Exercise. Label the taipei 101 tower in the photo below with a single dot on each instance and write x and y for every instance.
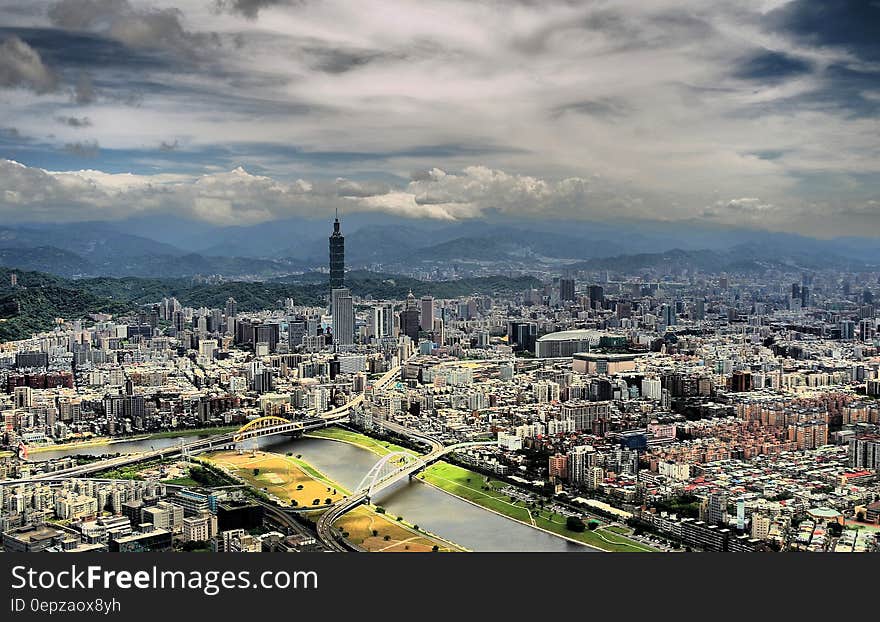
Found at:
(337, 256)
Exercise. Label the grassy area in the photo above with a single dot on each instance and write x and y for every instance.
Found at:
(473, 487)
(380, 533)
(376, 446)
(182, 481)
(285, 477)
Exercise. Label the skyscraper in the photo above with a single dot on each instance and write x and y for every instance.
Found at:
(427, 313)
(566, 290)
(409, 319)
(337, 257)
(343, 317)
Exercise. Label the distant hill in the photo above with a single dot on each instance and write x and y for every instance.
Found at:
(39, 298)
(46, 259)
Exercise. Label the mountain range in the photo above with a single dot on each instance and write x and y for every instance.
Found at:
(182, 249)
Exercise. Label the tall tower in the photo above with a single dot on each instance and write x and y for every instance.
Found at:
(337, 257)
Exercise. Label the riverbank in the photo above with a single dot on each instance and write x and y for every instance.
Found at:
(468, 486)
(101, 441)
(472, 487)
(380, 448)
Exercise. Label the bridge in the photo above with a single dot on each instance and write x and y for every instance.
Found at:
(389, 470)
(264, 426)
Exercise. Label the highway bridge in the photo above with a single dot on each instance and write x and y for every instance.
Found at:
(264, 426)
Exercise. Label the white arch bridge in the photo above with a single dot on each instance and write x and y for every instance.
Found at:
(388, 470)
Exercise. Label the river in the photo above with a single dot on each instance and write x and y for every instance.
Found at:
(433, 510)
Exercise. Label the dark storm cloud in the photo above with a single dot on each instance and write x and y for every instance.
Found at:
(22, 66)
(168, 146)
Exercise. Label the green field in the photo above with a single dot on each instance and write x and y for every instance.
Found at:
(378, 447)
(473, 487)
(182, 481)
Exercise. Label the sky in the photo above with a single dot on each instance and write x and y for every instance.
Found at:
(753, 113)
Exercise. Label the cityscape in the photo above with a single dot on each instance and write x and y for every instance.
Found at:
(266, 285)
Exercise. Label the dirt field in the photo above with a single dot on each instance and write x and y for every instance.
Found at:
(361, 522)
(280, 476)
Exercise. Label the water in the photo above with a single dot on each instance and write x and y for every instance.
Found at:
(433, 510)
(125, 447)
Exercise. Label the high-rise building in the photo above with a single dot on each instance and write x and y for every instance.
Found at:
(597, 296)
(296, 331)
(409, 319)
(337, 257)
(714, 508)
(343, 316)
(426, 316)
(231, 308)
(667, 313)
(566, 290)
(580, 460)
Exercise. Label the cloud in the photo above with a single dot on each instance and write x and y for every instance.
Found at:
(628, 109)
(21, 66)
(168, 146)
(136, 27)
(82, 149)
(249, 8)
(74, 121)
(239, 197)
(746, 207)
(84, 89)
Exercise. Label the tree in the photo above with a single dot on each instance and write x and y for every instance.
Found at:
(299, 487)
(328, 501)
(375, 532)
(592, 525)
(574, 523)
(435, 548)
(386, 537)
(256, 472)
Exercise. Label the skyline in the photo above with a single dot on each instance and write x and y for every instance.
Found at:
(760, 114)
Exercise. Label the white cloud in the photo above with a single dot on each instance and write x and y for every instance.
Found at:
(609, 109)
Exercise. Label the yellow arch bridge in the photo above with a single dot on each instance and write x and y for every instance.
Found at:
(266, 426)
